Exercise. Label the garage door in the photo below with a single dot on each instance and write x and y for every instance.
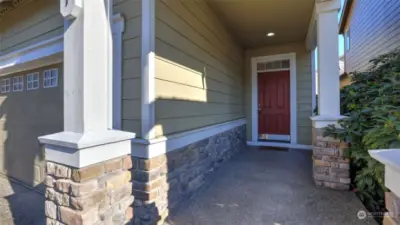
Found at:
(31, 105)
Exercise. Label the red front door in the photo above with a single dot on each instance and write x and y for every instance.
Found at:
(274, 103)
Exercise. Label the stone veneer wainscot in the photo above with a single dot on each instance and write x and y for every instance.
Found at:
(160, 183)
(94, 195)
(330, 168)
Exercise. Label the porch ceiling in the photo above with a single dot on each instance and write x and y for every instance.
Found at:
(251, 20)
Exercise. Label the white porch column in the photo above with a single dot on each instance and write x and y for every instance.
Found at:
(328, 58)
(330, 168)
(79, 160)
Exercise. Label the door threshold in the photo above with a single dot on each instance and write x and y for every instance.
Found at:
(279, 144)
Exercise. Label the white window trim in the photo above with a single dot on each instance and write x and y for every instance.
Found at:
(56, 78)
(33, 81)
(293, 93)
(21, 78)
(8, 86)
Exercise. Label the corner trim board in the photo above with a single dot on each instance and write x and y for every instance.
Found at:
(293, 93)
(148, 70)
(151, 148)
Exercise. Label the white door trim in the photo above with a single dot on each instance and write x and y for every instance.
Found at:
(293, 95)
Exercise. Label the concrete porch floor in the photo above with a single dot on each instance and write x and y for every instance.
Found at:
(268, 187)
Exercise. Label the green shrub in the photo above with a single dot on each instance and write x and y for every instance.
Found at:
(372, 106)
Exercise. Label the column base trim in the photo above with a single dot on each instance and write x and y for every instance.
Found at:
(151, 148)
(81, 150)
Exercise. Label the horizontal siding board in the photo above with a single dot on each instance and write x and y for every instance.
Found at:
(133, 28)
(129, 8)
(29, 24)
(186, 76)
(374, 30)
(132, 126)
(176, 39)
(176, 15)
(166, 108)
(199, 82)
(130, 109)
(131, 67)
(206, 16)
(181, 58)
(176, 125)
(132, 48)
(170, 90)
(131, 88)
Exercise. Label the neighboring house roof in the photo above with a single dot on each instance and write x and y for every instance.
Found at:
(345, 15)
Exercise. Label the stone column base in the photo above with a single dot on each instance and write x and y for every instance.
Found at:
(330, 168)
(94, 195)
(161, 182)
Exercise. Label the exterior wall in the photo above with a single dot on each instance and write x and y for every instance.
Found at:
(25, 116)
(374, 30)
(30, 23)
(304, 86)
(199, 69)
(131, 10)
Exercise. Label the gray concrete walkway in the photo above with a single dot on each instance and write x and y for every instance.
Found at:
(268, 187)
(20, 205)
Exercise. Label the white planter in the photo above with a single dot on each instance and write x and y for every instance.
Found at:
(391, 159)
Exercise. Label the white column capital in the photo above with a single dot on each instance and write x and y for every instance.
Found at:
(327, 6)
(324, 121)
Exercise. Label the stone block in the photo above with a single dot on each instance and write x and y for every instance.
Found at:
(58, 170)
(148, 186)
(113, 165)
(63, 185)
(325, 151)
(87, 173)
(153, 163)
(81, 189)
(322, 170)
(392, 203)
(117, 195)
(50, 209)
(69, 216)
(49, 181)
(115, 180)
(129, 213)
(127, 163)
(318, 162)
(89, 201)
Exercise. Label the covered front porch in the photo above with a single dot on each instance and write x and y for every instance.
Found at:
(266, 186)
(280, 39)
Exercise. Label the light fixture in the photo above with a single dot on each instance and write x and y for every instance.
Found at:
(270, 34)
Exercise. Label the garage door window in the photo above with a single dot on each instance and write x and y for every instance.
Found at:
(18, 83)
(5, 85)
(50, 78)
(32, 81)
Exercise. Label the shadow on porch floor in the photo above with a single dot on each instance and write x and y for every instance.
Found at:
(268, 187)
